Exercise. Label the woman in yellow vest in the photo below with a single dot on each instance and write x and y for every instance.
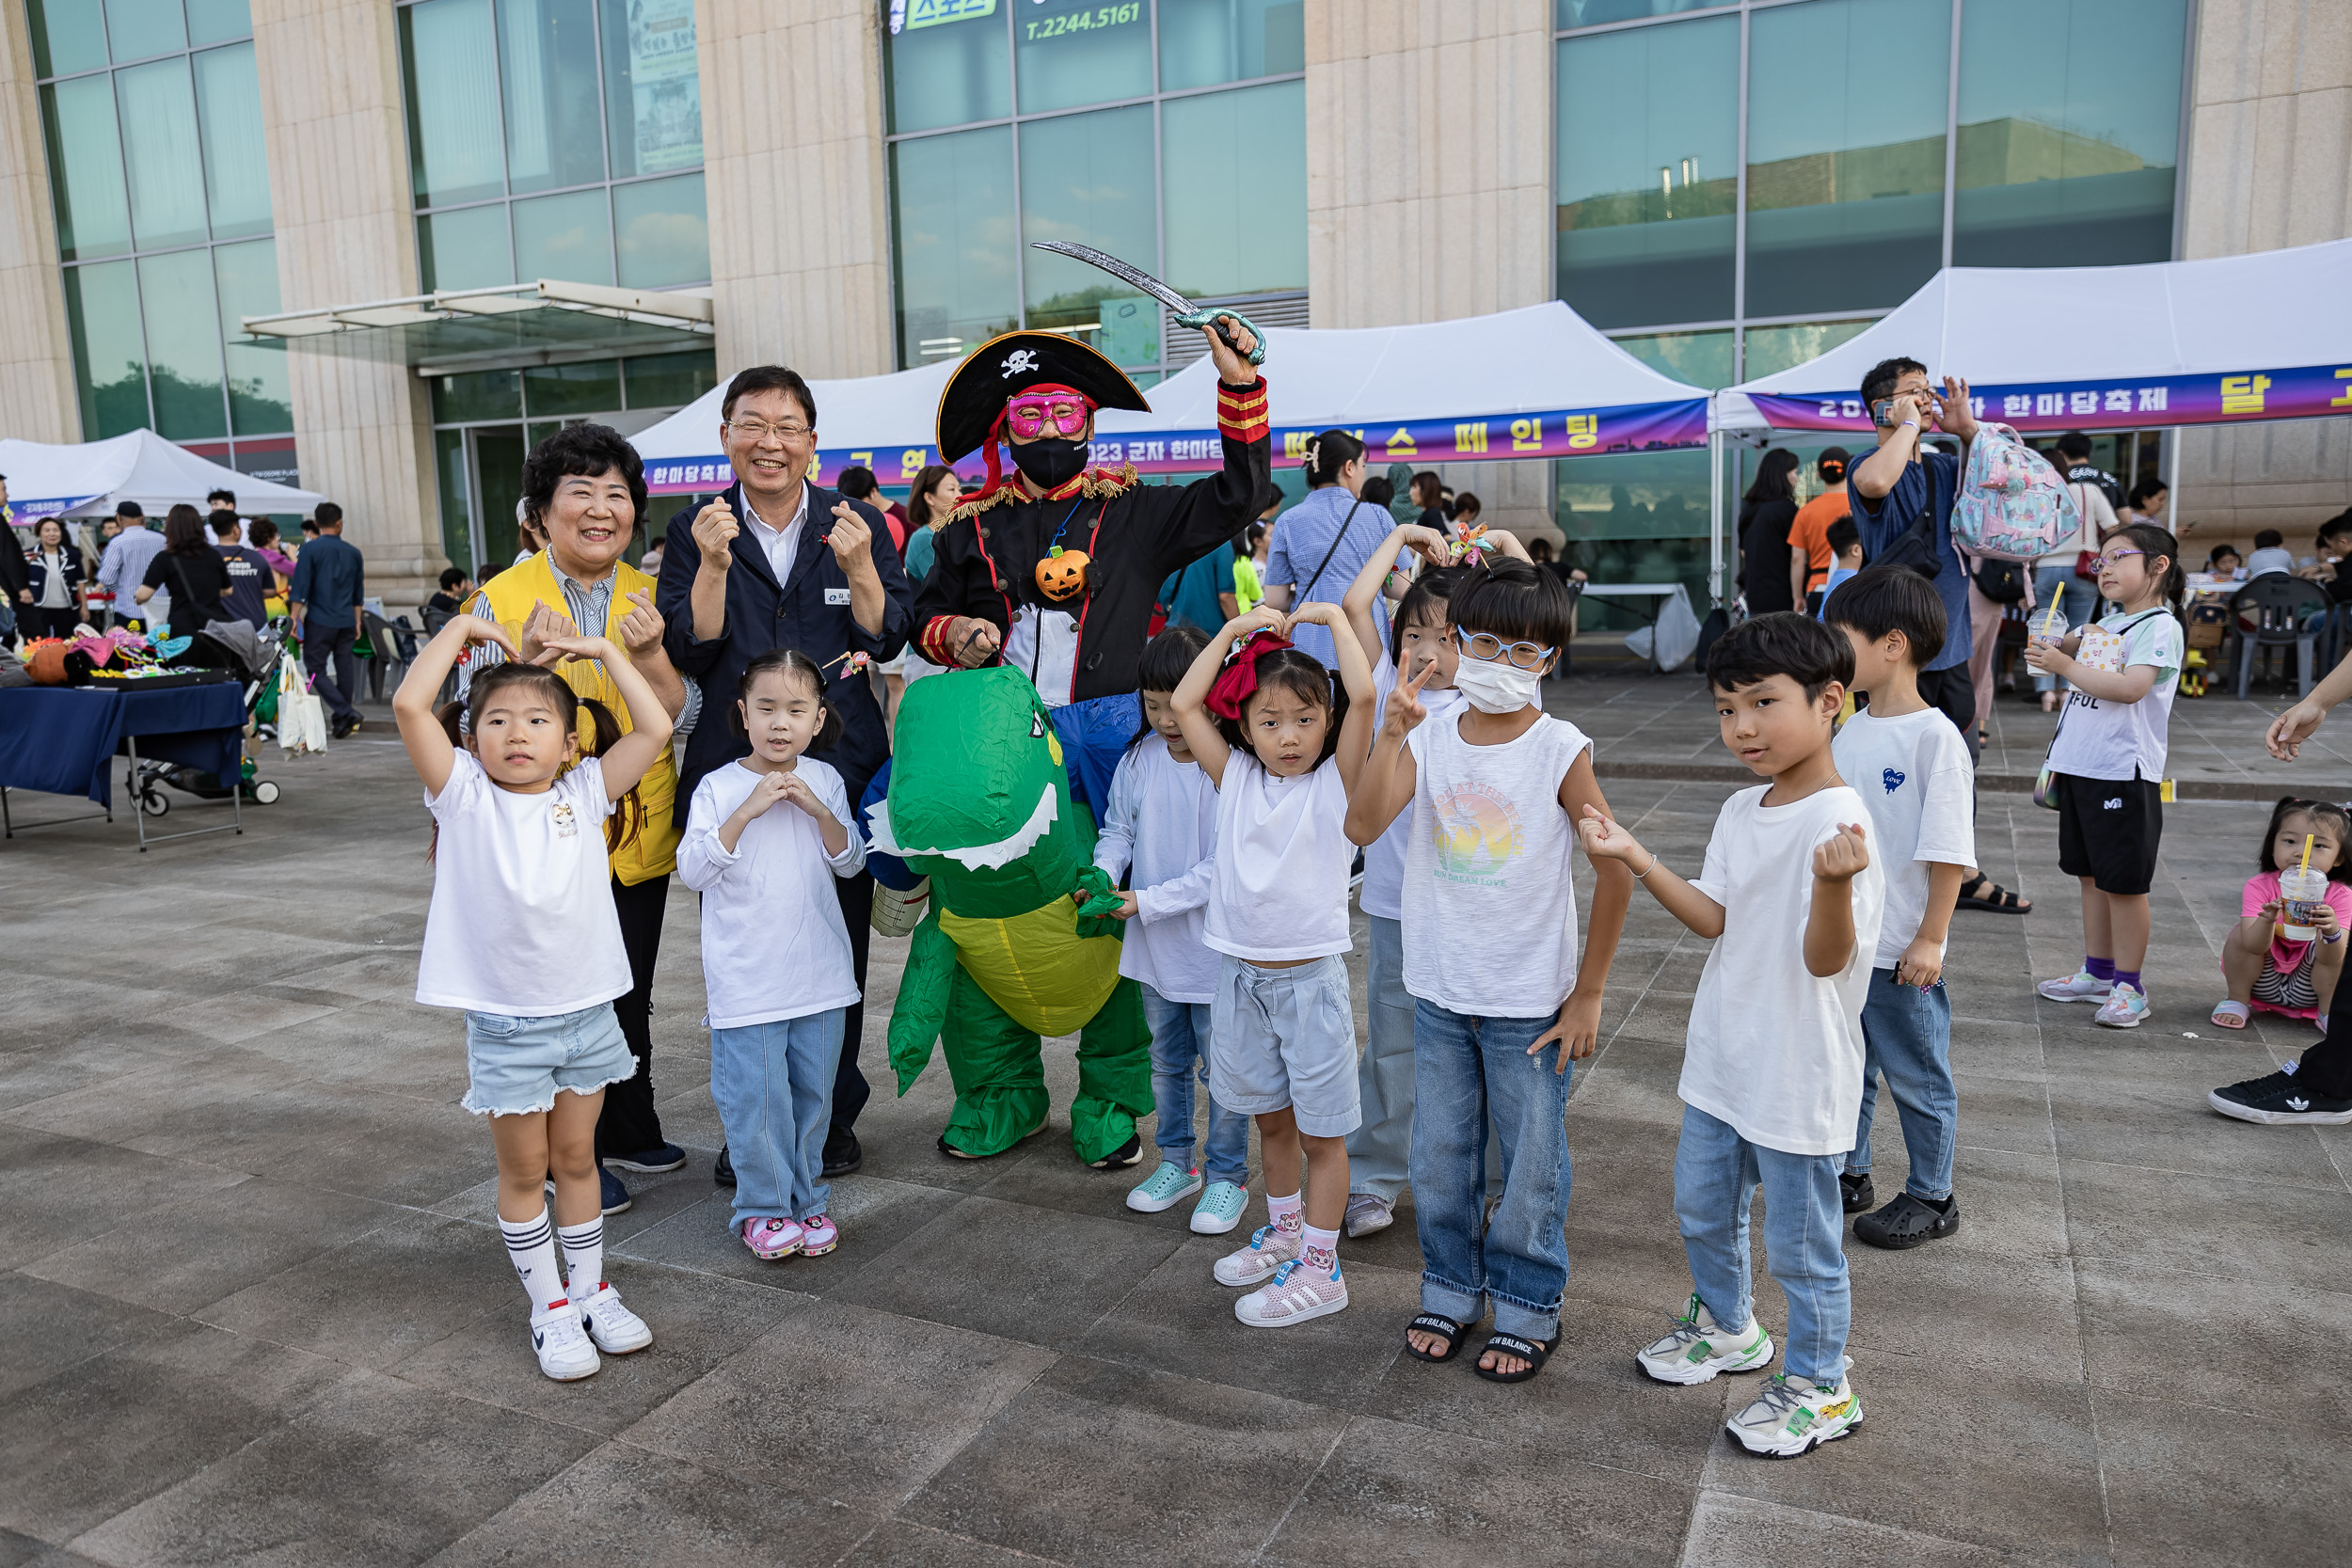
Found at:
(584, 488)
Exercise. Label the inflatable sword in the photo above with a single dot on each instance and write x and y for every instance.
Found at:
(1186, 313)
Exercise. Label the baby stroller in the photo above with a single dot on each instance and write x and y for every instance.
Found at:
(253, 657)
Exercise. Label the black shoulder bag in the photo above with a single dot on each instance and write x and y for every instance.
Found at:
(1336, 540)
(1914, 546)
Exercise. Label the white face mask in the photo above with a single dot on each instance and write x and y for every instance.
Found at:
(1493, 687)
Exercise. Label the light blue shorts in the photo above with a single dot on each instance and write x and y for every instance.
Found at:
(1286, 1037)
(513, 1065)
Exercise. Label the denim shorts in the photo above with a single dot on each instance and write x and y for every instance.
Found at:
(1286, 1037)
(513, 1065)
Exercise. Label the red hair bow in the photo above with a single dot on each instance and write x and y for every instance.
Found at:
(1238, 681)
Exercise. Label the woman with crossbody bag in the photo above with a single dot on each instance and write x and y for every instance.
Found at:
(1322, 543)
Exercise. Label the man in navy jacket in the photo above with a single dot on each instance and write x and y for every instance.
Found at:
(780, 563)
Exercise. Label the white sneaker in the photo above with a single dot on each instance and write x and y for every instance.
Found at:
(566, 1353)
(2126, 1007)
(1269, 1248)
(2079, 986)
(1368, 1213)
(615, 1329)
(1699, 1348)
(1793, 1415)
(1295, 1295)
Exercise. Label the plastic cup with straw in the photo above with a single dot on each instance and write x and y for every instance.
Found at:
(2301, 892)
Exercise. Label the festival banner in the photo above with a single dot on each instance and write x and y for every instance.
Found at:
(2050, 408)
(1560, 433)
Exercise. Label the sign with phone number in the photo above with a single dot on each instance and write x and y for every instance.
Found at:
(2310, 391)
(1561, 432)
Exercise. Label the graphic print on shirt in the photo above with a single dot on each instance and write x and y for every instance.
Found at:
(565, 825)
(1477, 834)
(1892, 778)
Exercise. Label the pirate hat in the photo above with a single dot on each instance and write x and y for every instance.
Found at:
(1013, 362)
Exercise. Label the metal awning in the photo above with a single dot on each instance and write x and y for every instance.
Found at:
(546, 321)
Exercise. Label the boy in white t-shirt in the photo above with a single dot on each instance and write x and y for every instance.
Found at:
(1912, 765)
(1771, 1073)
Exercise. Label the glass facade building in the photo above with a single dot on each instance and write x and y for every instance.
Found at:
(1743, 186)
(1130, 127)
(151, 116)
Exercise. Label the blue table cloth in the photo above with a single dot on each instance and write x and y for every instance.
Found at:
(61, 739)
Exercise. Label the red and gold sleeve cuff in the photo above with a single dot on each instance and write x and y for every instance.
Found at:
(1241, 411)
(932, 639)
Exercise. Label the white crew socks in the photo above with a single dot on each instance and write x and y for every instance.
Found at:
(1320, 1251)
(531, 1247)
(1286, 1213)
(583, 1257)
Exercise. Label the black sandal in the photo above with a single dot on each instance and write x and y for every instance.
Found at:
(1444, 1328)
(1526, 1350)
(2000, 901)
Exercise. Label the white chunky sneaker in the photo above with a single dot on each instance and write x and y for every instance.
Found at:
(2126, 1007)
(615, 1329)
(1298, 1292)
(1793, 1415)
(566, 1353)
(1699, 1348)
(2081, 986)
(1269, 1248)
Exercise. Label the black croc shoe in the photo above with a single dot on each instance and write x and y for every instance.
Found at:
(1908, 1221)
(1855, 1187)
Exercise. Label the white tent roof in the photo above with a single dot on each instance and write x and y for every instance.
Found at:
(2010, 329)
(1531, 360)
(87, 478)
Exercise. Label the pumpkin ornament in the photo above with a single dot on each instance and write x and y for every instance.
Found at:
(1062, 574)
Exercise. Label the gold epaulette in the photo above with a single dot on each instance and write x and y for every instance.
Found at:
(981, 502)
(1102, 482)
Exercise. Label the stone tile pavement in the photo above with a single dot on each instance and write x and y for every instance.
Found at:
(253, 1309)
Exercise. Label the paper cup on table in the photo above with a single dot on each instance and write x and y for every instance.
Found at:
(2301, 893)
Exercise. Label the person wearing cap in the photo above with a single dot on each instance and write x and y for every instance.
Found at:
(1055, 568)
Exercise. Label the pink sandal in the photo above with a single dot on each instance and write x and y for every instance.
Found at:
(770, 1239)
(2231, 1015)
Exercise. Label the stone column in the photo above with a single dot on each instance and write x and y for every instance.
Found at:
(1429, 192)
(37, 395)
(793, 170)
(339, 195)
(2269, 166)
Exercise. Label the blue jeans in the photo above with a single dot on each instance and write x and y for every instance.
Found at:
(1464, 1069)
(773, 1082)
(2081, 599)
(1378, 1151)
(1716, 1174)
(1180, 1050)
(1907, 1034)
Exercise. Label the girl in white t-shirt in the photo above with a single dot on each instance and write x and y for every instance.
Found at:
(765, 838)
(1496, 792)
(2107, 763)
(522, 934)
(1159, 834)
(1283, 747)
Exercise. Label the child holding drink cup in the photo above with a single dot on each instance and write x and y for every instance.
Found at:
(2286, 952)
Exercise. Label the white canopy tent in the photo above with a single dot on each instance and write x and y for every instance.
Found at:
(2226, 340)
(88, 479)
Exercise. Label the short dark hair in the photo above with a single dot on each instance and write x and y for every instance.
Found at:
(1783, 643)
(2333, 528)
(1515, 601)
(1431, 595)
(260, 533)
(327, 513)
(1880, 380)
(769, 378)
(856, 482)
(451, 576)
(2225, 547)
(229, 496)
(1466, 504)
(1377, 491)
(2074, 447)
(1879, 599)
(1842, 536)
(225, 524)
(2141, 492)
(591, 450)
(310, 525)
(2269, 539)
(2335, 815)
(1167, 659)
(129, 509)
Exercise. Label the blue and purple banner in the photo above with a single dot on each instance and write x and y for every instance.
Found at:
(1562, 433)
(2048, 407)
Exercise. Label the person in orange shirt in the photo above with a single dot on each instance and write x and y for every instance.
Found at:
(1809, 555)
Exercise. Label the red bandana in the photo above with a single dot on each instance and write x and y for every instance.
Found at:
(1238, 681)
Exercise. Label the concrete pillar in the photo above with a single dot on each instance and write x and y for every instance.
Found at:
(1429, 190)
(340, 199)
(2269, 166)
(793, 163)
(36, 396)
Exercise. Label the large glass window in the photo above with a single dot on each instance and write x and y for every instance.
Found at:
(1218, 107)
(2067, 151)
(555, 138)
(150, 110)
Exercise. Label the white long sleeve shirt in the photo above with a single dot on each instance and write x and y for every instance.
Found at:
(1161, 823)
(773, 942)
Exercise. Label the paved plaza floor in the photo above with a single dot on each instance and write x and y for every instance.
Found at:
(255, 1309)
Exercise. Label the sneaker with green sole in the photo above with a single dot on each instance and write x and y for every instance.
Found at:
(1794, 1414)
(1699, 1348)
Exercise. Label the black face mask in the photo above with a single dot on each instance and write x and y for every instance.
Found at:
(1050, 461)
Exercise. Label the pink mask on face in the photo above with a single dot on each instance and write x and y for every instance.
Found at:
(1042, 410)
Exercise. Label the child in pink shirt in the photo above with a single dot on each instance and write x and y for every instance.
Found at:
(2265, 968)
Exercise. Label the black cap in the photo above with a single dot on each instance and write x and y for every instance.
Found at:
(1011, 363)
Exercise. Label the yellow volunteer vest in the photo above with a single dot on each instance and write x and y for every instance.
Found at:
(512, 593)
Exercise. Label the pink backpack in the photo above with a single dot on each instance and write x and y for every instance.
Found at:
(2012, 505)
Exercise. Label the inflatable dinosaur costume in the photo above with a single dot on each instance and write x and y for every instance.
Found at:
(979, 802)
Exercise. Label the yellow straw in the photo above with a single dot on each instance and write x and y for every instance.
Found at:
(2050, 621)
(2307, 852)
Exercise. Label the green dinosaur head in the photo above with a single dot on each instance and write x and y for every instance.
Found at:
(978, 798)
